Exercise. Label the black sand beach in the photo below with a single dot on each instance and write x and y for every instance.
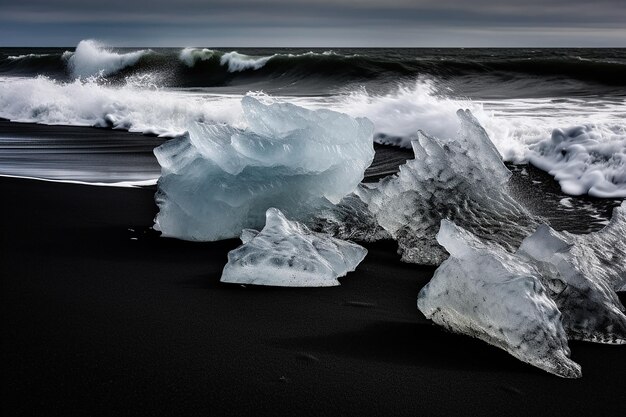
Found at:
(100, 316)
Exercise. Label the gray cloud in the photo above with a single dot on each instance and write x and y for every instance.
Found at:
(316, 23)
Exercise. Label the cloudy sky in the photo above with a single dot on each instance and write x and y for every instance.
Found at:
(314, 22)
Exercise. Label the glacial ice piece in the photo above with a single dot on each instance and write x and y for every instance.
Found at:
(218, 180)
(581, 273)
(349, 219)
(486, 292)
(462, 180)
(287, 254)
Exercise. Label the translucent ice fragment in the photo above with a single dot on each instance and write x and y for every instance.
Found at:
(462, 180)
(219, 180)
(486, 292)
(287, 254)
(582, 273)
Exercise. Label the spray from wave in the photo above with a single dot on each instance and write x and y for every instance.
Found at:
(584, 157)
(91, 58)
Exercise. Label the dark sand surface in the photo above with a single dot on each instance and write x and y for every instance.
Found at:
(96, 323)
(100, 316)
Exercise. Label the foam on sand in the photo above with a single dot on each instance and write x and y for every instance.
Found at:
(584, 160)
(287, 254)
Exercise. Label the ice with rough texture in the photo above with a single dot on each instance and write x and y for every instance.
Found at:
(581, 273)
(486, 292)
(584, 160)
(463, 180)
(288, 254)
(349, 219)
(218, 179)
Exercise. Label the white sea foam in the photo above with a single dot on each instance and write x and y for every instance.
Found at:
(118, 184)
(585, 160)
(78, 103)
(19, 57)
(189, 56)
(239, 62)
(594, 161)
(92, 58)
(235, 61)
(582, 143)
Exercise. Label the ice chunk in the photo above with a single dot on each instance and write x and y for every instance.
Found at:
(287, 254)
(349, 219)
(462, 180)
(581, 273)
(486, 292)
(584, 160)
(219, 180)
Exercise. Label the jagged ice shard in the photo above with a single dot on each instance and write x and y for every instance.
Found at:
(218, 180)
(287, 254)
(462, 180)
(582, 273)
(486, 292)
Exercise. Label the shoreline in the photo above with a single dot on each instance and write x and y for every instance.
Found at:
(102, 316)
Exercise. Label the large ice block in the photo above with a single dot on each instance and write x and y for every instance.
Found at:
(462, 180)
(582, 273)
(484, 291)
(218, 179)
(287, 254)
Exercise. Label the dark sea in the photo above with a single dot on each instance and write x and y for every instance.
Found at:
(557, 116)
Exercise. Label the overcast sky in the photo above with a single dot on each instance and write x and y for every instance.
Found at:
(310, 23)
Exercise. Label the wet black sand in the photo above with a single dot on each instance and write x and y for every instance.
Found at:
(102, 317)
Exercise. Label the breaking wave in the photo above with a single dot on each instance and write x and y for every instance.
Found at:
(91, 58)
(586, 160)
(202, 67)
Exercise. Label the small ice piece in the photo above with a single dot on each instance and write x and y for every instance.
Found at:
(582, 273)
(486, 292)
(566, 202)
(218, 180)
(462, 180)
(288, 254)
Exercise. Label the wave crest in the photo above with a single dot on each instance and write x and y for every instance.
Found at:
(92, 58)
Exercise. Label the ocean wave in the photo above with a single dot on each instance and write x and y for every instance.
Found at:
(203, 67)
(91, 58)
(521, 130)
(26, 56)
(237, 62)
(189, 56)
(128, 107)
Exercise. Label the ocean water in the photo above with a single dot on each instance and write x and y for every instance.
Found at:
(559, 114)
